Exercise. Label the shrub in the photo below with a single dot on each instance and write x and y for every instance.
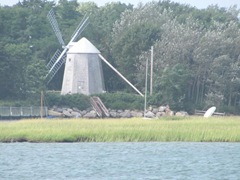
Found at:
(122, 101)
(76, 100)
(110, 100)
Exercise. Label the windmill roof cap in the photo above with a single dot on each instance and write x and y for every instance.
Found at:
(83, 46)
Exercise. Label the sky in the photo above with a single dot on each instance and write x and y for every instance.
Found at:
(196, 3)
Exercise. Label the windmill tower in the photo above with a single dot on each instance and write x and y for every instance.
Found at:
(83, 69)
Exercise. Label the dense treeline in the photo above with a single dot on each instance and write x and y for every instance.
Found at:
(196, 52)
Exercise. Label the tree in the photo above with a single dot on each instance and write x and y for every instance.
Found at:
(196, 51)
(102, 20)
(135, 32)
(35, 76)
(172, 86)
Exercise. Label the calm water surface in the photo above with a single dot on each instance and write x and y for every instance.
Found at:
(116, 161)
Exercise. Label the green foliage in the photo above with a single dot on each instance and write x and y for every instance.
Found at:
(35, 73)
(77, 100)
(230, 110)
(14, 103)
(171, 87)
(32, 99)
(134, 40)
(13, 70)
(122, 101)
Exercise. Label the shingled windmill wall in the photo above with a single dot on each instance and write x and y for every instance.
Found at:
(83, 70)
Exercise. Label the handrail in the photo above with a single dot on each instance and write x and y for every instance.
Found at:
(99, 107)
(102, 106)
(95, 107)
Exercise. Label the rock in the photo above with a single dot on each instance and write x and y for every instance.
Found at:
(83, 112)
(67, 113)
(149, 114)
(91, 114)
(181, 114)
(113, 113)
(60, 110)
(155, 110)
(76, 110)
(161, 108)
(69, 110)
(150, 108)
(89, 109)
(169, 113)
(119, 111)
(55, 113)
(76, 114)
(160, 114)
(136, 114)
(125, 114)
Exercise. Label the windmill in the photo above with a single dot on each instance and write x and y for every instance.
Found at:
(83, 70)
(59, 57)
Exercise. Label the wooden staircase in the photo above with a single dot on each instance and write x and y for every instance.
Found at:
(99, 107)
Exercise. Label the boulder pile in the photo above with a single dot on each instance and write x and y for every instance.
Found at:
(91, 113)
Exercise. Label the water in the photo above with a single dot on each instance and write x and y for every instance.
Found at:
(116, 161)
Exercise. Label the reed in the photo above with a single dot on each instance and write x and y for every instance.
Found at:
(192, 129)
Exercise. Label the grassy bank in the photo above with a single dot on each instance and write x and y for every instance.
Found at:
(194, 129)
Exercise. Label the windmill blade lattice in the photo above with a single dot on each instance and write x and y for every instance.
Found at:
(56, 67)
(53, 59)
(52, 19)
(80, 28)
(57, 64)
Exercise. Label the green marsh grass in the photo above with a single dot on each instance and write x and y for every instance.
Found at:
(191, 129)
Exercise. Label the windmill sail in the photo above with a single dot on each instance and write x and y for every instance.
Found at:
(82, 25)
(53, 59)
(79, 29)
(58, 59)
(52, 19)
(56, 67)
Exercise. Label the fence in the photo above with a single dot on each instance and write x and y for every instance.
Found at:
(23, 112)
(201, 113)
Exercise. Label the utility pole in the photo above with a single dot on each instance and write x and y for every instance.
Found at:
(151, 73)
(41, 111)
(145, 97)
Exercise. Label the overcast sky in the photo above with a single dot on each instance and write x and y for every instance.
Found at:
(197, 3)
